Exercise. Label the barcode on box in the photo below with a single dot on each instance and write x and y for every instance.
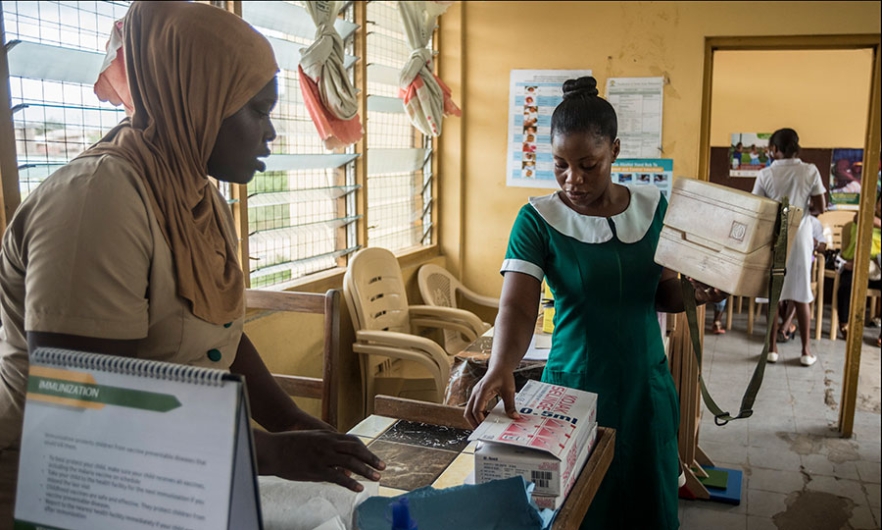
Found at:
(541, 478)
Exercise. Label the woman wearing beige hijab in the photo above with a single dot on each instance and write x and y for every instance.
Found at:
(130, 250)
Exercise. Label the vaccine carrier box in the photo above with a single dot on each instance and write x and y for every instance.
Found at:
(721, 236)
(547, 445)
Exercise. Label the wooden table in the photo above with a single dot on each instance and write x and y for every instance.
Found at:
(395, 418)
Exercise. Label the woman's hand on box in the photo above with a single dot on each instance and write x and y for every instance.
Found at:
(494, 383)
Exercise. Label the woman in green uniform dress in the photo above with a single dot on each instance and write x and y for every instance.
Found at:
(594, 243)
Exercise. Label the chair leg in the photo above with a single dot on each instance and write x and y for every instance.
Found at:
(731, 302)
(834, 321)
(751, 313)
(819, 301)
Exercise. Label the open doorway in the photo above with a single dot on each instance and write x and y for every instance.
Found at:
(822, 94)
(762, 66)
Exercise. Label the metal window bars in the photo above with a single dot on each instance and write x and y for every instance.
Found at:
(399, 172)
(55, 50)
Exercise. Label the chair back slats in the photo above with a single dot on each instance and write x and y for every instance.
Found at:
(381, 301)
(328, 304)
(833, 222)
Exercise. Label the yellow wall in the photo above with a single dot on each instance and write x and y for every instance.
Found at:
(614, 39)
(823, 94)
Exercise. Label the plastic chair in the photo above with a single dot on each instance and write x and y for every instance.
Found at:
(872, 294)
(440, 288)
(833, 221)
(394, 359)
(328, 304)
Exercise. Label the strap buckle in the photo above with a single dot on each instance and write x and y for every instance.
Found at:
(779, 271)
(718, 419)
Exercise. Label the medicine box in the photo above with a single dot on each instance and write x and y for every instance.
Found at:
(721, 236)
(547, 445)
(555, 502)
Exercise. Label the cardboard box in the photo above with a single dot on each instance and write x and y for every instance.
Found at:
(547, 445)
(555, 502)
(721, 236)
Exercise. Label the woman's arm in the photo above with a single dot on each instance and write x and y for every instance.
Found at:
(819, 203)
(298, 446)
(271, 407)
(512, 333)
(669, 294)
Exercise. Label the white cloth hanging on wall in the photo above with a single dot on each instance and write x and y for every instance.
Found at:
(426, 98)
(327, 91)
(112, 85)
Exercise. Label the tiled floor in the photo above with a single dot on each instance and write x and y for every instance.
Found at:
(799, 473)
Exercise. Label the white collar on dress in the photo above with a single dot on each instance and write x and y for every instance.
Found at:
(786, 162)
(631, 224)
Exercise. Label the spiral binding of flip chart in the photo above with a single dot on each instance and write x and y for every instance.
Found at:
(128, 366)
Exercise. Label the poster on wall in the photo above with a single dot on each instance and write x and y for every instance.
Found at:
(638, 104)
(645, 171)
(846, 168)
(748, 154)
(532, 96)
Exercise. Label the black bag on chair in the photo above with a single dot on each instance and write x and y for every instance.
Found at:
(830, 256)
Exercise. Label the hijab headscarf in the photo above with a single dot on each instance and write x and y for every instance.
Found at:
(189, 66)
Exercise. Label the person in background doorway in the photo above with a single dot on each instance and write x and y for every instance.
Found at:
(788, 309)
(593, 242)
(130, 250)
(846, 273)
(801, 183)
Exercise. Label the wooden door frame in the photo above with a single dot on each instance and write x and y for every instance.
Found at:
(867, 200)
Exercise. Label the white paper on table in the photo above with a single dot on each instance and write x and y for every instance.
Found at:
(540, 345)
(289, 505)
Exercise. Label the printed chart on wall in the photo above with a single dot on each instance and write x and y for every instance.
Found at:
(748, 154)
(638, 104)
(533, 95)
(644, 171)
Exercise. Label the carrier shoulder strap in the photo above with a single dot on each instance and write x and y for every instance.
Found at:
(776, 281)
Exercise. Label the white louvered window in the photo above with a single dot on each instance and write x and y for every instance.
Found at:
(399, 169)
(301, 211)
(55, 51)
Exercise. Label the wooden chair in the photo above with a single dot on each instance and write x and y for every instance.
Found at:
(325, 389)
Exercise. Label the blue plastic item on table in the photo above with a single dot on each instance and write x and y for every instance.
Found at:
(491, 506)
